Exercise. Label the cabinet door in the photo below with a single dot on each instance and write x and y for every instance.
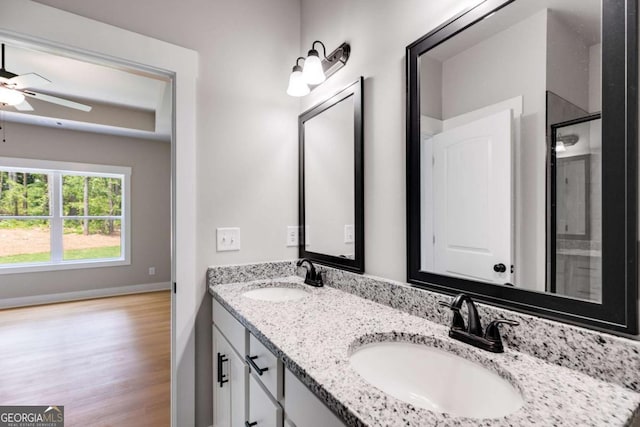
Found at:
(230, 384)
(221, 389)
(263, 410)
(238, 377)
(303, 408)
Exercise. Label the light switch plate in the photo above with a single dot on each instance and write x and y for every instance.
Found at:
(228, 239)
(293, 233)
(349, 232)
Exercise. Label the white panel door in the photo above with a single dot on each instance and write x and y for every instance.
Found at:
(472, 192)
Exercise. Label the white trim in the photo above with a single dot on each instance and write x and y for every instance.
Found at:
(69, 168)
(81, 295)
(63, 265)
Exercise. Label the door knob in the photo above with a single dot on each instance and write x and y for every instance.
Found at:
(499, 268)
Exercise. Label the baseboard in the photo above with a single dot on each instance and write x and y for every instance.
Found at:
(79, 295)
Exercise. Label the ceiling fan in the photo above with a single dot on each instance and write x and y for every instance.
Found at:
(14, 88)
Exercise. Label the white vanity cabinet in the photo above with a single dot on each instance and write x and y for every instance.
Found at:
(303, 408)
(251, 386)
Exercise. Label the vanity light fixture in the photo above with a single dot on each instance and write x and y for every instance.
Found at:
(297, 84)
(316, 70)
(560, 147)
(564, 141)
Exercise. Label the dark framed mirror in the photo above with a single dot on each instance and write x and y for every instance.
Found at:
(331, 181)
(522, 159)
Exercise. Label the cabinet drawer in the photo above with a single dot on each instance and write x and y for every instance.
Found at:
(263, 358)
(232, 330)
(303, 408)
(263, 410)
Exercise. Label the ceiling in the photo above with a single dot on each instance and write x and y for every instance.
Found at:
(118, 96)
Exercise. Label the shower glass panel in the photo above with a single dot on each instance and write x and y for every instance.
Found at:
(576, 217)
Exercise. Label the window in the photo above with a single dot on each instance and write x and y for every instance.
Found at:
(56, 215)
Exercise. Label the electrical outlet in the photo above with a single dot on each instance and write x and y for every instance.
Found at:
(228, 239)
(152, 271)
(293, 233)
(349, 233)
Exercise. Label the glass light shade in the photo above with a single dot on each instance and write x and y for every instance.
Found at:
(10, 97)
(560, 147)
(313, 72)
(297, 84)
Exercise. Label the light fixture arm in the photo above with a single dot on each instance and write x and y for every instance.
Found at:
(324, 49)
(298, 62)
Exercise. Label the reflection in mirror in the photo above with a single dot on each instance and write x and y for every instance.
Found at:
(493, 176)
(576, 209)
(329, 181)
(331, 200)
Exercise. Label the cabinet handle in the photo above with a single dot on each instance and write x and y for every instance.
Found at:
(221, 377)
(248, 424)
(250, 361)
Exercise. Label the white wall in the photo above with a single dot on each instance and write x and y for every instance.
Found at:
(430, 87)
(150, 206)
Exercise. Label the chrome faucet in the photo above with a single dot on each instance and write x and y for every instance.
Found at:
(472, 333)
(313, 277)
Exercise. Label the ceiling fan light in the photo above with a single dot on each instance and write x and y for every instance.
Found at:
(10, 97)
(313, 72)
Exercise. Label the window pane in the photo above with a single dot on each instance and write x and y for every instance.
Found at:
(24, 241)
(24, 194)
(91, 196)
(91, 239)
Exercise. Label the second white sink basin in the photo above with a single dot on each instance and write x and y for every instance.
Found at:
(276, 294)
(436, 380)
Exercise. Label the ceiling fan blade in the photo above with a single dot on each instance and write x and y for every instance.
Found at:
(58, 101)
(24, 106)
(27, 80)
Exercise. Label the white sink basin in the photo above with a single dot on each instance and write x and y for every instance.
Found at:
(276, 294)
(436, 380)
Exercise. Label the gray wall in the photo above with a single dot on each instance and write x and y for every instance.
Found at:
(247, 129)
(150, 206)
(567, 63)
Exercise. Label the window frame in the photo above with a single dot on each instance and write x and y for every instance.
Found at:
(56, 170)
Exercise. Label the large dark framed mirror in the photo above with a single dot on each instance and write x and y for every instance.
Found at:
(521, 159)
(331, 181)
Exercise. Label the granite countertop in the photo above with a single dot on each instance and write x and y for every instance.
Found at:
(315, 335)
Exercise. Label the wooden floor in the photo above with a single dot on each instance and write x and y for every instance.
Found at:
(106, 360)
